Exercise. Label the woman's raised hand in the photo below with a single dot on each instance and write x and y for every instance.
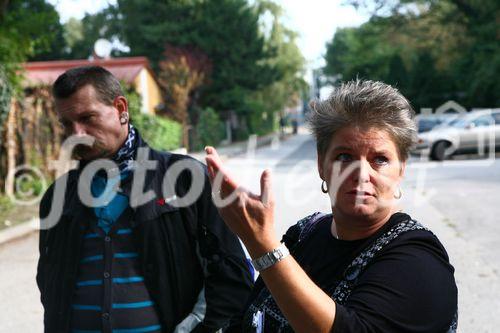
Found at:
(248, 215)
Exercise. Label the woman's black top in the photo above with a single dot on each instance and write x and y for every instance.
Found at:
(407, 287)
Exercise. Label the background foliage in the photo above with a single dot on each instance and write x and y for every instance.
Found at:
(209, 130)
(432, 50)
(207, 54)
(160, 133)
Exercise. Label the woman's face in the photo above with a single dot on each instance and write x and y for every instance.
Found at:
(363, 171)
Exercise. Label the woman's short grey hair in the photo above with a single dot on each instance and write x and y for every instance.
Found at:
(364, 104)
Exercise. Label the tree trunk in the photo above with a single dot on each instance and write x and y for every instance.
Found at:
(11, 148)
(28, 129)
(185, 134)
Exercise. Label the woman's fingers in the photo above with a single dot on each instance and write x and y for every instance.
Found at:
(265, 187)
(221, 179)
(212, 152)
(210, 166)
(214, 162)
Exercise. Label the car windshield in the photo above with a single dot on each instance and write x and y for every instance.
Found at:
(483, 120)
(449, 120)
(459, 123)
(425, 125)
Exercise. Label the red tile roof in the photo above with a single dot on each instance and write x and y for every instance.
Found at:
(46, 72)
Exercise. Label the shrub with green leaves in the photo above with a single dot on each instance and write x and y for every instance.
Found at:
(5, 203)
(209, 130)
(159, 132)
(133, 99)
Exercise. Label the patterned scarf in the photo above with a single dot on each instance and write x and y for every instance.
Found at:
(125, 155)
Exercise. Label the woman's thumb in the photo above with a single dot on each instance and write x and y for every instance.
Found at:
(265, 187)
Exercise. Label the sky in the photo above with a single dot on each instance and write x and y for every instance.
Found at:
(314, 20)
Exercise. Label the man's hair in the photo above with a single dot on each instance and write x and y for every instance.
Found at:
(105, 84)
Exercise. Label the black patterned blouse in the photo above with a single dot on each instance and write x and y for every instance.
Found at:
(398, 280)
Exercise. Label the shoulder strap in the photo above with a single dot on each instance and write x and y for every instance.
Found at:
(309, 225)
(358, 265)
(301, 230)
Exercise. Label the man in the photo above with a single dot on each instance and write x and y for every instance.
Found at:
(116, 266)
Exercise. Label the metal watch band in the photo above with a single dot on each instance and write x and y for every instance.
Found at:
(270, 258)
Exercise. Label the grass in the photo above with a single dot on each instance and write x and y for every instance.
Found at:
(12, 214)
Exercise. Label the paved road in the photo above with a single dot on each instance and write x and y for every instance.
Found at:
(458, 200)
(20, 309)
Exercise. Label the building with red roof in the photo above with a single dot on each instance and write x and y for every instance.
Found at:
(134, 71)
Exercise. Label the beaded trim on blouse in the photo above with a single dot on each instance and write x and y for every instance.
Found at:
(266, 304)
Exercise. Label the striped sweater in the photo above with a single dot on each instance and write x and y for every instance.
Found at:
(110, 294)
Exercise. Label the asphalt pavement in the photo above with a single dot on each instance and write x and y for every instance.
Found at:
(458, 200)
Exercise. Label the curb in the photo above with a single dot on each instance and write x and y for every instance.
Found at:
(21, 230)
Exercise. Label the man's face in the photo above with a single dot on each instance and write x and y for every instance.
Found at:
(84, 114)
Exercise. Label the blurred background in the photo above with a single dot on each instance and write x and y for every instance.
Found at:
(218, 72)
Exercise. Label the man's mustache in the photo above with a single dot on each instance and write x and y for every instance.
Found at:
(81, 150)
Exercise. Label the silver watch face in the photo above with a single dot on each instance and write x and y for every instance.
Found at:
(269, 259)
(277, 254)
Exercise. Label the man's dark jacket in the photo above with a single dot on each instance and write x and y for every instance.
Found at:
(182, 250)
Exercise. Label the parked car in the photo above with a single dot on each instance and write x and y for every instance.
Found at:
(474, 132)
(425, 123)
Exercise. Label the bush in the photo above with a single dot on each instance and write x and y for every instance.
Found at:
(134, 101)
(209, 130)
(262, 123)
(258, 120)
(6, 203)
(29, 185)
(160, 133)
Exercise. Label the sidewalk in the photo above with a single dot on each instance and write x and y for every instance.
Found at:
(477, 280)
(21, 310)
(297, 194)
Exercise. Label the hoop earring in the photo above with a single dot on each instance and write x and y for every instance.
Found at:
(399, 195)
(324, 187)
(124, 118)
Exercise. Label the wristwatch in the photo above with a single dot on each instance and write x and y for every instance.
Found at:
(270, 258)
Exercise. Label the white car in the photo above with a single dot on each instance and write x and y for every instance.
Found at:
(473, 132)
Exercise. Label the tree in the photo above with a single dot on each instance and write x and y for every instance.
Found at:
(52, 46)
(225, 30)
(270, 101)
(80, 36)
(460, 37)
(364, 52)
(397, 75)
(28, 28)
(246, 66)
(25, 33)
(182, 72)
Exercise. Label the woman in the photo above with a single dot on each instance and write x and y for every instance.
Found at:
(365, 267)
